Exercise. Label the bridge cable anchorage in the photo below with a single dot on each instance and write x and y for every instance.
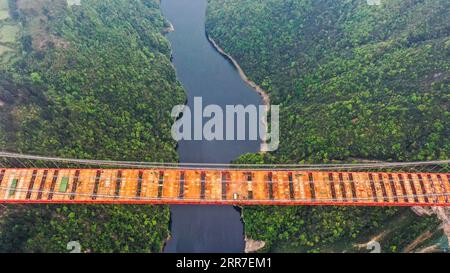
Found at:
(43, 179)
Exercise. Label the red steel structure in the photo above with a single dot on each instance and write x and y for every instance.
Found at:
(227, 186)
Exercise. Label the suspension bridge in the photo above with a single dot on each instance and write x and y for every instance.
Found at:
(37, 179)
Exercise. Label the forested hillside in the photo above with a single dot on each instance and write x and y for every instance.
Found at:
(91, 81)
(354, 82)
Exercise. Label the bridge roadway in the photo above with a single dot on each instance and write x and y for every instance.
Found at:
(231, 186)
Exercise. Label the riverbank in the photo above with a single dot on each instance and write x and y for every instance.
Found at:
(257, 88)
(252, 246)
(265, 97)
(168, 29)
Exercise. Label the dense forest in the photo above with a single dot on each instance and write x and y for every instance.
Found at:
(354, 82)
(90, 81)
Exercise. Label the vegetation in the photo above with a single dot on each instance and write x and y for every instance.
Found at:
(353, 82)
(9, 33)
(115, 228)
(94, 81)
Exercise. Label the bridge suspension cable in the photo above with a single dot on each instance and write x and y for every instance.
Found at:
(32, 160)
(43, 179)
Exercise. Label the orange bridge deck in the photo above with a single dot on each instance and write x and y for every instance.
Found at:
(236, 187)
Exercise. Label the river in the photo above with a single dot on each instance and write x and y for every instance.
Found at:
(205, 73)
